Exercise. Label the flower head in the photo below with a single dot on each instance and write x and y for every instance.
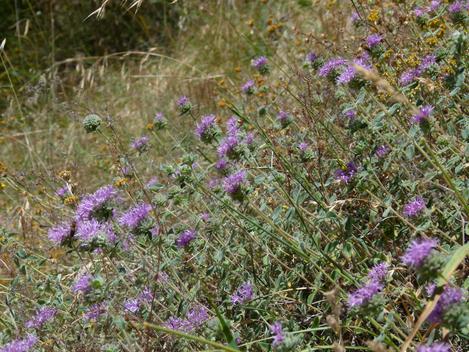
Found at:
(418, 252)
(346, 174)
(364, 294)
(92, 204)
(232, 183)
(378, 272)
(83, 284)
(90, 230)
(184, 104)
(450, 296)
(140, 144)
(243, 294)
(60, 233)
(248, 87)
(414, 207)
(435, 347)
(42, 316)
(132, 305)
(423, 114)
(20, 345)
(134, 216)
(382, 151)
(186, 237)
(373, 40)
(95, 311)
(261, 64)
(311, 57)
(277, 331)
(330, 66)
(205, 129)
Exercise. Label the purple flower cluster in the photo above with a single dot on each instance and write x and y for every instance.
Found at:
(90, 230)
(382, 150)
(423, 114)
(418, 252)
(421, 11)
(140, 144)
(95, 311)
(351, 114)
(435, 347)
(410, 75)
(303, 147)
(278, 334)
(243, 294)
(135, 215)
(349, 73)
(346, 174)
(63, 191)
(311, 57)
(458, 6)
(261, 64)
(83, 284)
(414, 207)
(248, 87)
(60, 233)
(184, 104)
(186, 237)
(132, 305)
(450, 296)
(20, 345)
(373, 40)
(195, 318)
(92, 203)
(365, 293)
(204, 129)
(42, 316)
(232, 183)
(330, 66)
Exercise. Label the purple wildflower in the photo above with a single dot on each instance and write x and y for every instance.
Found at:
(331, 65)
(364, 294)
(260, 64)
(414, 208)
(408, 76)
(228, 145)
(382, 151)
(303, 146)
(284, 118)
(159, 117)
(430, 289)
(248, 87)
(95, 311)
(60, 233)
(92, 203)
(450, 296)
(347, 75)
(205, 127)
(277, 331)
(132, 305)
(346, 174)
(423, 114)
(232, 183)
(232, 126)
(146, 295)
(184, 104)
(426, 62)
(373, 40)
(151, 182)
(186, 237)
(42, 316)
(140, 144)
(418, 252)
(378, 272)
(243, 294)
(355, 17)
(205, 217)
(434, 5)
(249, 139)
(89, 230)
(435, 347)
(155, 231)
(83, 284)
(311, 57)
(420, 11)
(20, 345)
(63, 191)
(457, 6)
(195, 318)
(221, 164)
(134, 216)
(350, 114)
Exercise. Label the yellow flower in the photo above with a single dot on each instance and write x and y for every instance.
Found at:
(121, 182)
(222, 103)
(2, 186)
(70, 200)
(150, 126)
(65, 174)
(431, 41)
(373, 16)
